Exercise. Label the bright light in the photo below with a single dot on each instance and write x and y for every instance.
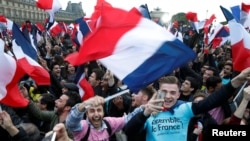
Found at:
(165, 18)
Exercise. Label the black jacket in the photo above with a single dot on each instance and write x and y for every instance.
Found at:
(136, 125)
(206, 120)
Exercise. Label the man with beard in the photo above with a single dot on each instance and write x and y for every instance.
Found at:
(62, 107)
(96, 126)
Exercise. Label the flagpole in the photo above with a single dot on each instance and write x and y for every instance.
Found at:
(206, 13)
(238, 94)
(116, 95)
(111, 97)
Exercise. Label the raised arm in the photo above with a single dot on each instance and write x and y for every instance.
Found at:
(77, 112)
(238, 114)
(7, 124)
(223, 94)
(136, 124)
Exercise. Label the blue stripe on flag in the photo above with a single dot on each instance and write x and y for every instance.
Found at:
(22, 41)
(170, 56)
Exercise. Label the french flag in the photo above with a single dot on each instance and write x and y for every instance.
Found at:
(3, 19)
(137, 50)
(29, 32)
(236, 12)
(18, 35)
(3, 23)
(10, 76)
(93, 21)
(40, 29)
(85, 89)
(26, 56)
(206, 26)
(51, 26)
(192, 17)
(82, 29)
(240, 42)
(214, 31)
(58, 29)
(50, 6)
(144, 11)
(245, 15)
(221, 37)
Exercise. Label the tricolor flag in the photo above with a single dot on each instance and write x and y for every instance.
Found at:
(50, 6)
(26, 57)
(17, 34)
(214, 31)
(245, 15)
(144, 11)
(85, 89)
(95, 17)
(221, 37)
(3, 23)
(57, 29)
(40, 30)
(10, 76)
(240, 42)
(29, 32)
(206, 27)
(82, 29)
(134, 48)
(193, 19)
(236, 12)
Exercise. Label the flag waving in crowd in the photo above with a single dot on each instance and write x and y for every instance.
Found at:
(118, 62)
(240, 42)
(51, 7)
(11, 74)
(26, 55)
(135, 49)
(85, 89)
(192, 17)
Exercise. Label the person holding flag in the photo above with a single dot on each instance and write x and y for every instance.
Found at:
(96, 126)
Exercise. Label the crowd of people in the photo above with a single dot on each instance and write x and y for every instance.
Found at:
(194, 96)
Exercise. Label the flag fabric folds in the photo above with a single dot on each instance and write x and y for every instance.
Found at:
(3, 23)
(221, 38)
(245, 15)
(192, 17)
(20, 39)
(29, 32)
(58, 29)
(239, 41)
(95, 17)
(214, 31)
(39, 31)
(10, 75)
(27, 58)
(81, 30)
(144, 11)
(135, 49)
(83, 26)
(85, 89)
(50, 6)
(236, 12)
(206, 26)
(219, 35)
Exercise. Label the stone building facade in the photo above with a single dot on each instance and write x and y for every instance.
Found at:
(159, 16)
(22, 10)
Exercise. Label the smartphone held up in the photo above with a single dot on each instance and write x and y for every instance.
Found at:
(160, 95)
